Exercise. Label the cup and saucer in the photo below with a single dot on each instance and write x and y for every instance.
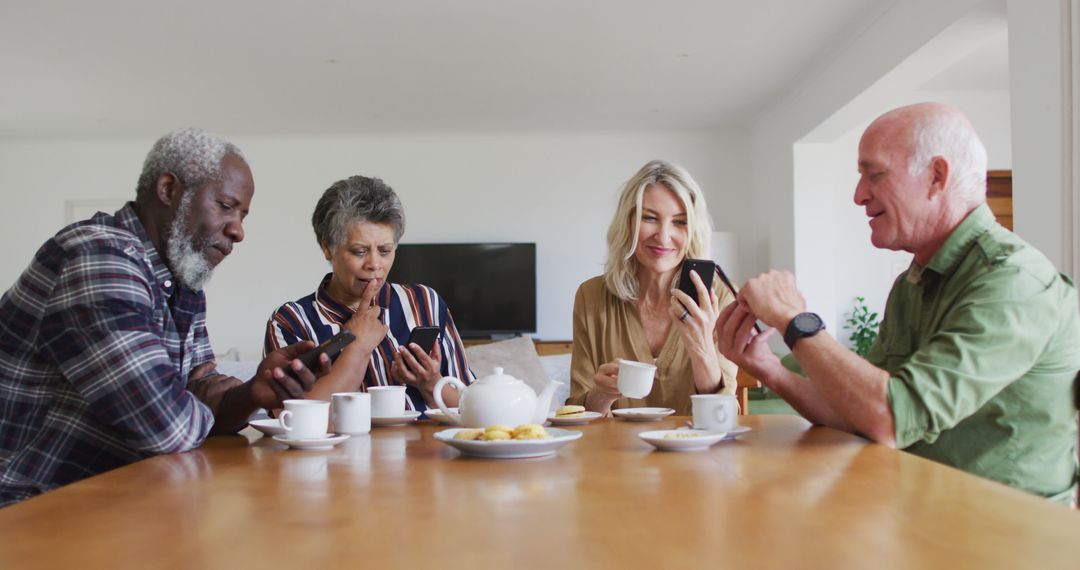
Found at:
(716, 413)
(303, 424)
(388, 406)
(328, 441)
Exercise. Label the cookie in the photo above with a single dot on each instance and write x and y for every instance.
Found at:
(569, 411)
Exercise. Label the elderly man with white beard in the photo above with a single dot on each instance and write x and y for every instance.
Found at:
(104, 353)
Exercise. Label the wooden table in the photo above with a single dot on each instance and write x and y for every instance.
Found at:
(784, 495)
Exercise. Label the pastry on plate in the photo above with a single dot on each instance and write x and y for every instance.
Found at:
(569, 411)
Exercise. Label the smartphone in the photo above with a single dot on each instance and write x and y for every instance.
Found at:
(425, 337)
(331, 347)
(705, 269)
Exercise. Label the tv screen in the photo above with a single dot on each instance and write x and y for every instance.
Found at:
(490, 287)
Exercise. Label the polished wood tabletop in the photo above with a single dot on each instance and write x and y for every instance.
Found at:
(784, 495)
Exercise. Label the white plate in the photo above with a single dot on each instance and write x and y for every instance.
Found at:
(732, 434)
(578, 419)
(436, 415)
(642, 414)
(509, 449)
(268, 426)
(702, 439)
(406, 418)
(314, 443)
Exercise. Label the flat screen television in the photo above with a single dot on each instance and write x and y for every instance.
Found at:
(490, 287)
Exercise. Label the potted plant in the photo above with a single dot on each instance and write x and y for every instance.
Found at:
(863, 326)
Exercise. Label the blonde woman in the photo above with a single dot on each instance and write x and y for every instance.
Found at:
(632, 311)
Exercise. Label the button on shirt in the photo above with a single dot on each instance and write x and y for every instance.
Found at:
(96, 343)
(983, 347)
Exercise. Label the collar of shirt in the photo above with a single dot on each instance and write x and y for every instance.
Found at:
(129, 220)
(961, 240)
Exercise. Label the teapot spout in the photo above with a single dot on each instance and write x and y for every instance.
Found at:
(543, 402)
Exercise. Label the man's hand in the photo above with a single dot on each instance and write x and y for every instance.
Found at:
(210, 388)
(271, 385)
(740, 343)
(773, 297)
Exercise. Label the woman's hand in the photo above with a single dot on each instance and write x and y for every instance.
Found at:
(366, 323)
(605, 388)
(412, 367)
(695, 322)
(606, 380)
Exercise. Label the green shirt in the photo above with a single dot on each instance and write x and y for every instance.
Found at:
(983, 347)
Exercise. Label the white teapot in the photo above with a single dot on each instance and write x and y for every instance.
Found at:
(497, 399)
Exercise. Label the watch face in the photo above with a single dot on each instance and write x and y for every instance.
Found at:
(807, 322)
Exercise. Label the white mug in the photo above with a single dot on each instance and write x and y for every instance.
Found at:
(351, 412)
(715, 412)
(305, 419)
(635, 378)
(387, 401)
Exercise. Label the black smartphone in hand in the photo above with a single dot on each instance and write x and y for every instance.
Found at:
(331, 347)
(424, 337)
(705, 269)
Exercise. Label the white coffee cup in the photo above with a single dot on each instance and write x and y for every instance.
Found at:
(715, 412)
(635, 378)
(387, 401)
(351, 412)
(305, 419)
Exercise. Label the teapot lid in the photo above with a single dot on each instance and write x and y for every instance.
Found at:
(497, 376)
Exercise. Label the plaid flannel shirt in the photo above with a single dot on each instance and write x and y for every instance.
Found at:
(96, 344)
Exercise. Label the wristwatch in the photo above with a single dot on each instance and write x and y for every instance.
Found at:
(803, 325)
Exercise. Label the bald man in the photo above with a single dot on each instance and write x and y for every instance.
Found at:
(978, 352)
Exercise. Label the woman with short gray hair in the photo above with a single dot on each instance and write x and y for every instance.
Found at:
(358, 223)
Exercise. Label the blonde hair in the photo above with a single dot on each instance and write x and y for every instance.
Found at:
(621, 267)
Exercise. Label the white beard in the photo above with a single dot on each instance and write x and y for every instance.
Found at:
(189, 264)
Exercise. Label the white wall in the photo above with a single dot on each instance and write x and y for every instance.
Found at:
(557, 190)
(1037, 37)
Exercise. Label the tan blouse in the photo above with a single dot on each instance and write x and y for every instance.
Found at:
(607, 328)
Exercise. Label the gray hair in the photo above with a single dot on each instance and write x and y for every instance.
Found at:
(192, 155)
(940, 130)
(356, 199)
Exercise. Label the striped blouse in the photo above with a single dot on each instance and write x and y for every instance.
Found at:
(317, 317)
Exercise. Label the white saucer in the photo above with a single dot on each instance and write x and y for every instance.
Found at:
(268, 426)
(407, 418)
(509, 449)
(732, 434)
(688, 440)
(642, 414)
(578, 419)
(313, 444)
(436, 415)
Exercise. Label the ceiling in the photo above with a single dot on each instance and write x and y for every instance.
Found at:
(136, 68)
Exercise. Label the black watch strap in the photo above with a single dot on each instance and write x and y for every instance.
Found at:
(802, 326)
